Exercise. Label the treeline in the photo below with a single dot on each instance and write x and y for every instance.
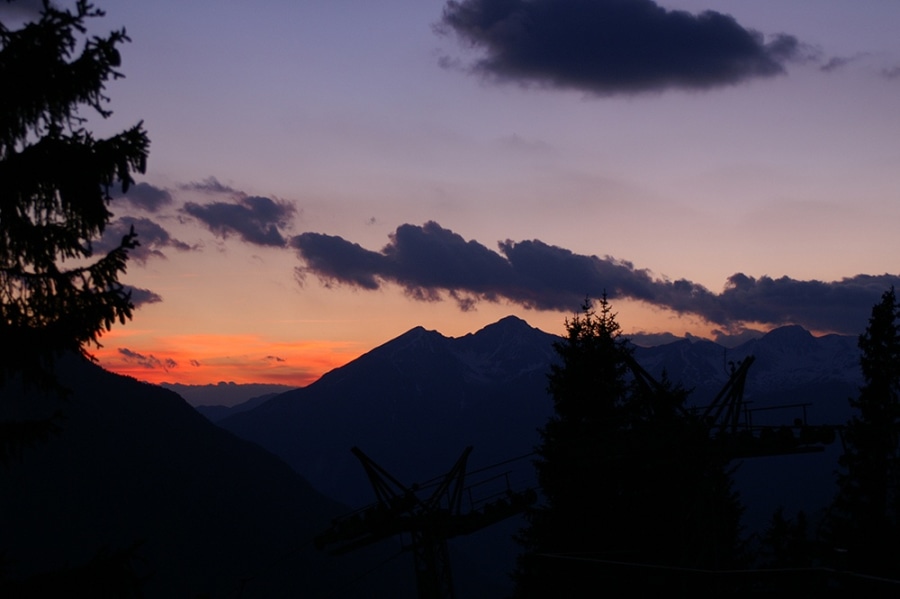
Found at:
(637, 496)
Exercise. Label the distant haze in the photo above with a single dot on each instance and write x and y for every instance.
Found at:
(222, 393)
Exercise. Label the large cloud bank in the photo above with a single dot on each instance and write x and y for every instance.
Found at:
(431, 262)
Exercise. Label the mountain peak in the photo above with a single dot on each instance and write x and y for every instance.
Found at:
(513, 321)
(414, 335)
(792, 338)
(507, 324)
(414, 341)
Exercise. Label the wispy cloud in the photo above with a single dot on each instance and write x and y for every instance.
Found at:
(432, 263)
(891, 72)
(149, 361)
(611, 46)
(211, 185)
(839, 62)
(151, 237)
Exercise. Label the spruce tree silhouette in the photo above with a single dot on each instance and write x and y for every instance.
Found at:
(865, 520)
(633, 488)
(55, 182)
(55, 179)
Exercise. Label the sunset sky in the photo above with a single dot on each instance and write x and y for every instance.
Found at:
(324, 176)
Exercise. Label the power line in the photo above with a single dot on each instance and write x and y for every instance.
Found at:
(729, 572)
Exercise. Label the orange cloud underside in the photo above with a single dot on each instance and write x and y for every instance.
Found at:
(205, 359)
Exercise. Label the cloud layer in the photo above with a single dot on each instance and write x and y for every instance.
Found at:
(254, 219)
(612, 46)
(430, 262)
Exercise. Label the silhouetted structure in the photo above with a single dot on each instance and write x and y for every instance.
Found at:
(429, 521)
(730, 424)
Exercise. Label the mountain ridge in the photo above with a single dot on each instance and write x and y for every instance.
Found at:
(510, 351)
(134, 463)
(414, 402)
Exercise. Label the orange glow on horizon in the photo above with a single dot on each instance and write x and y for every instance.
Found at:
(209, 359)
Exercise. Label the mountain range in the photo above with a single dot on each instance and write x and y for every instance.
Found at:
(417, 400)
(216, 514)
(413, 403)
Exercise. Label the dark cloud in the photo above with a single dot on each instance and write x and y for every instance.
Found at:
(612, 46)
(254, 219)
(211, 185)
(152, 238)
(150, 362)
(144, 196)
(431, 262)
(140, 297)
(334, 259)
(274, 359)
(840, 306)
(409, 260)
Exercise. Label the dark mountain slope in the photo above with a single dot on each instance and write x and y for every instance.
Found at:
(411, 404)
(134, 462)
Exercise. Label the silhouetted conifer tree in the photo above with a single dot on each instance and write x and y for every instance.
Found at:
(627, 476)
(865, 520)
(55, 178)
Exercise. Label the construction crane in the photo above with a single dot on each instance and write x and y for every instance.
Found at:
(427, 521)
(729, 419)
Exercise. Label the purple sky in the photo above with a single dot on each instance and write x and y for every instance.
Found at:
(324, 176)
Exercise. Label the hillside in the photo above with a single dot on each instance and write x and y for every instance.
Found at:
(134, 463)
